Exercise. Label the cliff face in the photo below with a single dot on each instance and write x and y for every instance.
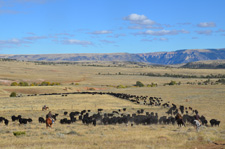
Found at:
(164, 58)
(185, 56)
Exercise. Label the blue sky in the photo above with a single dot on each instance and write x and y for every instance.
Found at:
(104, 26)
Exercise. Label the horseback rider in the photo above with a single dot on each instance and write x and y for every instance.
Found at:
(49, 115)
(197, 124)
(44, 108)
(179, 115)
(197, 116)
(179, 118)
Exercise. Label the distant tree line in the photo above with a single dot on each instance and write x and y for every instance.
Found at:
(7, 59)
(169, 75)
(204, 66)
(208, 82)
(95, 64)
(44, 83)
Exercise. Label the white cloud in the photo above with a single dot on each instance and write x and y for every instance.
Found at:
(220, 31)
(145, 27)
(136, 27)
(77, 42)
(207, 24)
(107, 41)
(12, 3)
(163, 39)
(64, 34)
(205, 32)
(194, 38)
(162, 32)
(147, 40)
(139, 19)
(35, 37)
(155, 39)
(32, 1)
(184, 31)
(9, 12)
(14, 41)
(30, 33)
(184, 23)
(101, 32)
(116, 35)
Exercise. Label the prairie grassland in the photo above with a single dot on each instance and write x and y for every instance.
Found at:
(208, 99)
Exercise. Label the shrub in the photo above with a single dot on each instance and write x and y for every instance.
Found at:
(172, 83)
(34, 84)
(91, 89)
(222, 81)
(45, 83)
(121, 86)
(152, 85)
(13, 94)
(23, 84)
(57, 83)
(14, 84)
(18, 133)
(139, 84)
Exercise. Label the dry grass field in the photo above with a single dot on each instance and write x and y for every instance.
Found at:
(208, 99)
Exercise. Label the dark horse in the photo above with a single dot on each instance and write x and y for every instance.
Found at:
(179, 120)
(49, 122)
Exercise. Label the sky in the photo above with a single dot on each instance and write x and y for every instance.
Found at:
(110, 26)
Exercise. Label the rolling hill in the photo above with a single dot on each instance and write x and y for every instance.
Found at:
(210, 64)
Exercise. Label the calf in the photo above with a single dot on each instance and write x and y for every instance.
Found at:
(41, 120)
(65, 113)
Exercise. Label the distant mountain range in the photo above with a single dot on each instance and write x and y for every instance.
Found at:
(162, 58)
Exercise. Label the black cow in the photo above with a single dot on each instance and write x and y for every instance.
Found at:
(65, 121)
(54, 116)
(6, 122)
(41, 120)
(182, 109)
(214, 122)
(203, 120)
(2, 119)
(99, 110)
(24, 120)
(14, 118)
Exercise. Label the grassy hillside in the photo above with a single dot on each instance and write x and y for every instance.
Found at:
(216, 64)
(208, 99)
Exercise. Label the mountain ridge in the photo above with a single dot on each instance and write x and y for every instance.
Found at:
(164, 58)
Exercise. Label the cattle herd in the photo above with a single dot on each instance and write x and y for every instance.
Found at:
(121, 116)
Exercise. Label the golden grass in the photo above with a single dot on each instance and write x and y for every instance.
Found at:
(208, 99)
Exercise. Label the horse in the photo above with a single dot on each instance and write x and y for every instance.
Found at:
(179, 120)
(45, 108)
(49, 122)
